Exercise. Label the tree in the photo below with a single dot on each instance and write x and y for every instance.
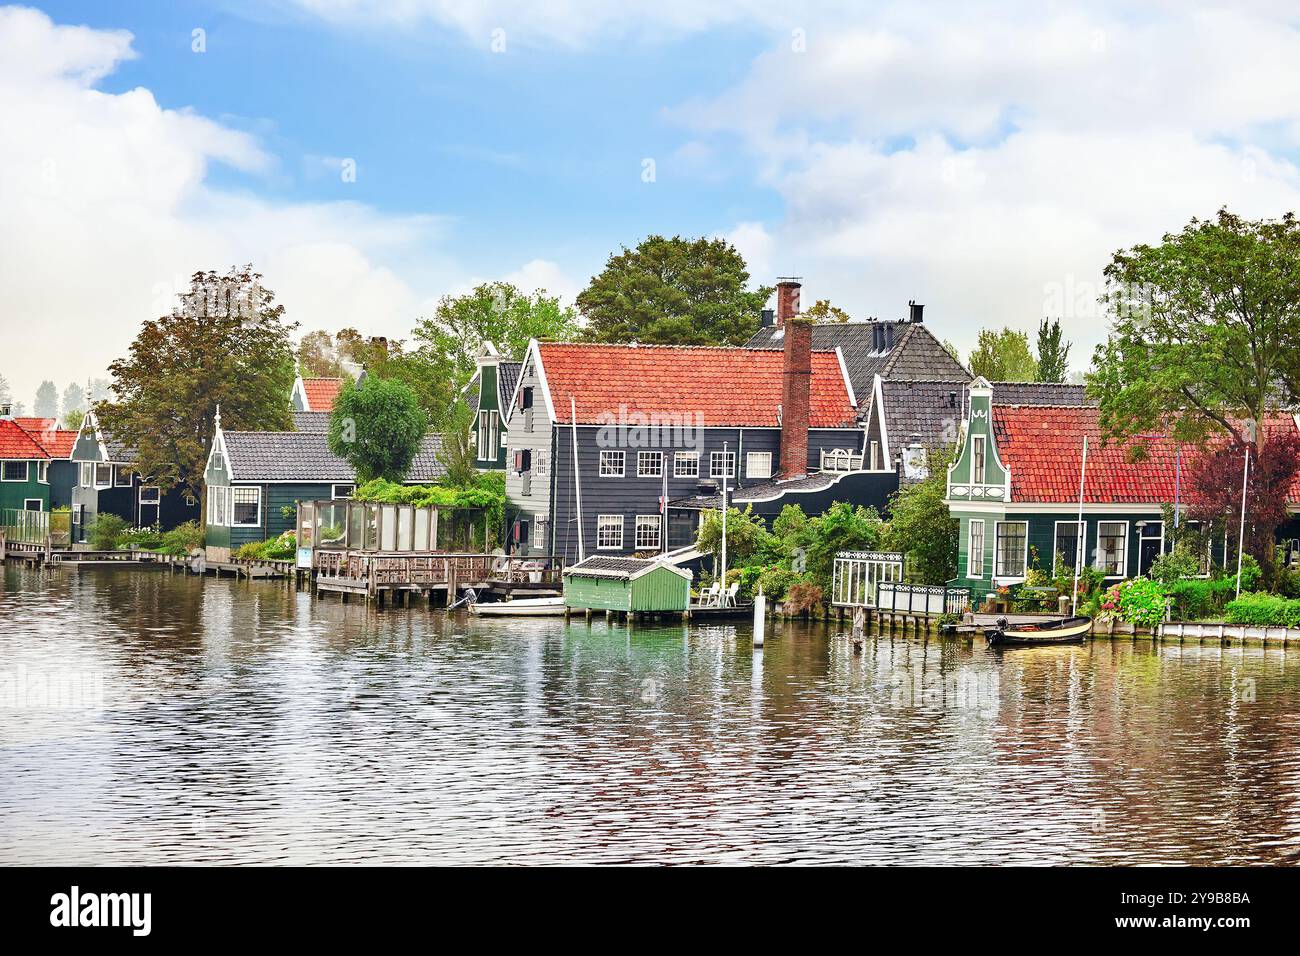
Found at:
(5, 394)
(494, 312)
(1053, 354)
(952, 350)
(225, 344)
(74, 399)
(921, 527)
(823, 311)
(1003, 356)
(458, 454)
(746, 535)
(1214, 483)
(673, 291)
(377, 427)
(1203, 329)
(318, 357)
(72, 420)
(842, 527)
(99, 390)
(47, 400)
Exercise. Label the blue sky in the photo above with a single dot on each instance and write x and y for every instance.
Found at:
(983, 158)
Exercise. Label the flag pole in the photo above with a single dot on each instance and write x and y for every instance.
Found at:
(1241, 534)
(723, 587)
(1080, 536)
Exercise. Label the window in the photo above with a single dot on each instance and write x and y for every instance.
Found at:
(14, 471)
(486, 436)
(716, 464)
(526, 397)
(649, 464)
(523, 460)
(77, 512)
(1112, 548)
(246, 507)
(150, 495)
(123, 477)
(977, 460)
(1011, 550)
(33, 504)
(758, 464)
(218, 505)
(875, 456)
(342, 491)
(686, 464)
(87, 475)
(611, 465)
(521, 532)
(43, 472)
(541, 464)
(975, 549)
(103, 475)
(1066, 549)
(609, 532)
(647, 533)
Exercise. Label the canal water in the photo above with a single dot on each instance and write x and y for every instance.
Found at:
(148, 719)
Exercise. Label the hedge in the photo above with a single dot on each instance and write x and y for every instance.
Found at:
(1268, 610)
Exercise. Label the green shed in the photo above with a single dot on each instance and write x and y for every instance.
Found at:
(627, 584)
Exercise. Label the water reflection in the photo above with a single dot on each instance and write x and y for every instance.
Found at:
(247, 723)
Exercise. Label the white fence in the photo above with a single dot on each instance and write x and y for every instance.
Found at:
(857, 573)
(921, 598)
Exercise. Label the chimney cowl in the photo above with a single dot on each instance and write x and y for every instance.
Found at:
(915, 311)
(765, 321)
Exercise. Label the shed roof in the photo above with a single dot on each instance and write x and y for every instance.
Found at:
(624, 569)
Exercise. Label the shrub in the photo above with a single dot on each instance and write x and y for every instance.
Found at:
(182, 539)
(776, 581)
(148, 539)
(1263, 609)
(802, 597)
(106, 532)
(1176, 565)
(1138, 601)
(273, 549)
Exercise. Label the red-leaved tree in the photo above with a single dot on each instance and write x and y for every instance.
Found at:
(1214, 489)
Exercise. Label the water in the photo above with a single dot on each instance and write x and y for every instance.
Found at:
(227, 722)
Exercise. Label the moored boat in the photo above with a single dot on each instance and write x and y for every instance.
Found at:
(525, 607)
(1071, 630)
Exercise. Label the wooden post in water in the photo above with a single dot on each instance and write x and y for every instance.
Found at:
(760, 619)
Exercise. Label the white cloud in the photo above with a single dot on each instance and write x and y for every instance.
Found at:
(754, 243)
(106, 211)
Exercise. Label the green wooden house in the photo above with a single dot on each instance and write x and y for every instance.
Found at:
(627, 584)
(24, 469)
(255, 480)
(490, 394)
(1015, 487)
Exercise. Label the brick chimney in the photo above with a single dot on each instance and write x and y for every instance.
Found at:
(787, 300)
(796, 386)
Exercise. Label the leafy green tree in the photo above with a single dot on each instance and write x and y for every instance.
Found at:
(74, 398)
(494, 312)
(100, 388)
(921, 527)
(47, 400)
(318, 357)
(1053, 353)
(458, 454)
(842, 527)
(225, 344)
(1003, 356)
(747, 536)
(823, 311)
(673, 291)
(952, 350)
(377, 427)
(1203, 330)
(72, 420)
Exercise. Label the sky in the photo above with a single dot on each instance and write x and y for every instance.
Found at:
(983, 158)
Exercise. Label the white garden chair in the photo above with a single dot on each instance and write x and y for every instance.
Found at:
(729, 596)
(709, 596)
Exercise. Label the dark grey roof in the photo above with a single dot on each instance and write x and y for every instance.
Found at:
(305, 456)
(1040, 393)
(618, 568)
(765, 491)
(311, 421)
(910, 351)
(507, 378)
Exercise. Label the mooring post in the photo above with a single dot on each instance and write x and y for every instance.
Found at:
(760, 621)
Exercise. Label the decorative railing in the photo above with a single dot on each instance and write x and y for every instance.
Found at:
(858, 573)
(840, 459)
(899, 598)
(379, 569)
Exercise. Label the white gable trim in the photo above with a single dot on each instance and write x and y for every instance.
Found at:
(844, 373)
(878, 403)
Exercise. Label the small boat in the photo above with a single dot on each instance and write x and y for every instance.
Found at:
(1071, 630)
(525, 607)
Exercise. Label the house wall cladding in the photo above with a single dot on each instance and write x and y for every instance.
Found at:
(535, 434)
(14, 494)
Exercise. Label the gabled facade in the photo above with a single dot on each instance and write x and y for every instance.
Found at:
(621, 425)
(24, 469)
(1014, 489)
(107, 482)
(315, 394)
(61, 473)
(489, 395)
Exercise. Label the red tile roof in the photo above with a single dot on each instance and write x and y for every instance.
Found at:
(726, 386)
(321, 393)
(16, 443)
(1042, 446)
(56, 441)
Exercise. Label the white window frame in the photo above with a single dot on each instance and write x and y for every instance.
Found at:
(541, 467)
(997, 550)
(155, 489)
(39, 501)
(763, 470)
(875, 455)
(78, 513)
(729, 464)
(235, 491)
(27, 471)
(649, 464)
(1142, 537)
(88, 474)
(970, 547)
(979, 459)
(1123, 551)
(686, 464)
(607, 459)
(334, 490)
(605, 532)
(1082, 545)
(109, 482)
(219, 506)
(43, 472)
(118, 472)
(481, 435)
(644, 525)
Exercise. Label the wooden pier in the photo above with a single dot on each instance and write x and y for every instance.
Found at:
(438, 577)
